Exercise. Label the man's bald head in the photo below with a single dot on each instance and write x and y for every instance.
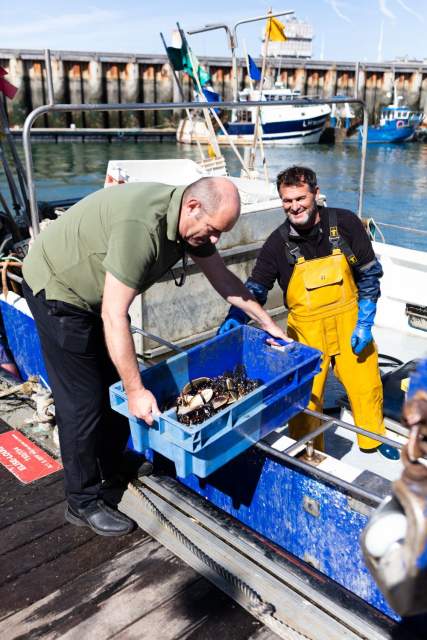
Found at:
(214, 194)
(209, 207)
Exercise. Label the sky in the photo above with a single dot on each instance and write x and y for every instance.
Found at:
(344, 29)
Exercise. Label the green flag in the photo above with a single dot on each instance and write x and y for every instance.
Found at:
(184, 59)
(176, 58)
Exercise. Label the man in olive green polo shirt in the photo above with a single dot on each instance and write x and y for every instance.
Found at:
(80, 277)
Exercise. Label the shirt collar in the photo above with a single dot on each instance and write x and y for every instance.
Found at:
(173, 212)
(315, 232)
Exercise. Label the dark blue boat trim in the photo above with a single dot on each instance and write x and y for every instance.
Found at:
(296, 135)
(282, 127)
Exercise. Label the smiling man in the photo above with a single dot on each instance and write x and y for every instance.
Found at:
(80, 277)
(324, 262)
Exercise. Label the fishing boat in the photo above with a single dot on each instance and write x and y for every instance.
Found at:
(277, 527)
(397, 124)
(283, 123)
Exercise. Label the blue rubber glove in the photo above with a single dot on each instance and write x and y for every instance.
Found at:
(234, 318)
(228, 325)
(362, 334)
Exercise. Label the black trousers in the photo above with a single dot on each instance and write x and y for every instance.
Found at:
(92, 436)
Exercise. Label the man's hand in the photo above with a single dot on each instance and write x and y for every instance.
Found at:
(275, 331)
(142, 404)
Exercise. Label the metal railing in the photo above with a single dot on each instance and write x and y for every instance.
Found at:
(61, 108)
(327, 422)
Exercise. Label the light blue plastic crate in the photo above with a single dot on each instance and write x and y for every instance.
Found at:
(287, 378)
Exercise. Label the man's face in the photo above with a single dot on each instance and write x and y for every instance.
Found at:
(197, 227)
(299, 204)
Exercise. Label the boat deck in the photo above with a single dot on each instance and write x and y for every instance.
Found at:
(61, 581)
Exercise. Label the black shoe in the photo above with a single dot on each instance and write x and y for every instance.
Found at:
(100, 518)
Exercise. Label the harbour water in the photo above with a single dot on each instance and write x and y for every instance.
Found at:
(395, 188)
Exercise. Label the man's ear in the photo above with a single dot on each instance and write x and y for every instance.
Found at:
(193, 206)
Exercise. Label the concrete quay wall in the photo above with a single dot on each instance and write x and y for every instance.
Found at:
(120, 77)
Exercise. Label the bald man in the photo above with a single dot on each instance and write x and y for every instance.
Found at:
(80, 278)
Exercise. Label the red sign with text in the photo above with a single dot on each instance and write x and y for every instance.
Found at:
(24, 459)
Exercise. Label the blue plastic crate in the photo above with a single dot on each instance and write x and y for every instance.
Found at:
(287, 378)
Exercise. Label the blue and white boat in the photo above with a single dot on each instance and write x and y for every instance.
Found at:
(282, 123)
(397, 124)
(279, 124)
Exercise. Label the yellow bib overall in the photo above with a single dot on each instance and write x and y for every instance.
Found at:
(322, 301)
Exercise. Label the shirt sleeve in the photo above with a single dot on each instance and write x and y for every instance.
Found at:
(265, 271)
(131, 253)
(354, 233)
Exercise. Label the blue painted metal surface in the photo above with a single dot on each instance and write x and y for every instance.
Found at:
(418, 380)
(286, 378)
(23, 342)
(269, 496)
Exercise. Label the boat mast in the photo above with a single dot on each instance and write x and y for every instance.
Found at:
(232, 42)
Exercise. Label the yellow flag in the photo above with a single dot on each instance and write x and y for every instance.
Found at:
(275, 30)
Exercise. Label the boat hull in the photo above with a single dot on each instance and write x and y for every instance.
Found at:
(315, 521)
(284, 132)
(388, 134)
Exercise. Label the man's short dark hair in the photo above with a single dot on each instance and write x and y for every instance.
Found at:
(295, 176)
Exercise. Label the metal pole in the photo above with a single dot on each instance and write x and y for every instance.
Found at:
(319, 473)
(356, 80)
(15, 195)
(232, 41)
(135, 106)
(352, 427)
(16, 159)
(3, 203)
(363, 161)
(162, 341)
(257, 133)
(50, 94)
(212, 136)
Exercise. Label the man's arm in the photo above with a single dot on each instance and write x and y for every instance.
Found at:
(233, 290)
(116, 301)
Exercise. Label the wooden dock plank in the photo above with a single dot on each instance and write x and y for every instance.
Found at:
(32, 528)
(101, 602)
(33, 572)
(191, 613)
(24, 506)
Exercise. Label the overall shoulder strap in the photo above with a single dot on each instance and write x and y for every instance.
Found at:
(336, 241)
(292, 250)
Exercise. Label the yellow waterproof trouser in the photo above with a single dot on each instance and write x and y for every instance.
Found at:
(322, 301)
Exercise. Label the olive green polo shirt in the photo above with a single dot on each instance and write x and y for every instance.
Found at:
(130, 230)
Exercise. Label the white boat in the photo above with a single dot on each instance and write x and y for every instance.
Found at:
(279, 124)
